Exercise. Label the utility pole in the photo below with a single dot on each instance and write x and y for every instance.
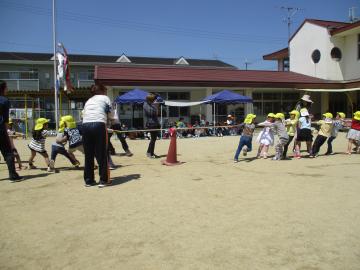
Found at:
(246, 64)
(55, 73)
(291, 11)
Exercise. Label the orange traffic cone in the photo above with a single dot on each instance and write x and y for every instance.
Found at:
(171, 156)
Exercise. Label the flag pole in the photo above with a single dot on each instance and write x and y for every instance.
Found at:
(55, 84)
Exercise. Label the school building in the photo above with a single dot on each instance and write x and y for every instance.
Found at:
(322, 56)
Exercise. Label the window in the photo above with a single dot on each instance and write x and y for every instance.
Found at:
(286, 64)
(335, 54)
(179, 95)
(315, 56)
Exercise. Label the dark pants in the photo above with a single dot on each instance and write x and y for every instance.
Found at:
(7, 153)
(319, 141)
(55, 150)
(286, 146)
(329, 143)
(153, 137)
(95, 145)
(244, 140)
(121, 137)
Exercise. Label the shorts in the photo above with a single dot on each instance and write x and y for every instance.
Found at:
(79, 148)
(37, 150)
(304, 135)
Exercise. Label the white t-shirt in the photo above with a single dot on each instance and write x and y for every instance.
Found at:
(97, 109)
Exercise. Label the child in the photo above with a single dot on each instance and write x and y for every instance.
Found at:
(279, 129)
(12, 133)
(246, 136)
(354, 133)
(291, 125)
(266, 137)
(338, 124)
(304, 132)
(325, 130)
(37, 143)
(58, 147)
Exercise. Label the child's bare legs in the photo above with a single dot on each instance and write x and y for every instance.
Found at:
(308, 146)
(350, 143)
(46, 157)
(18, 160)
(31, 159)
(265, 151)
(297, 149)
(259, 150)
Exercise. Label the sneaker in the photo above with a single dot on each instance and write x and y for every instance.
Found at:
(112, 168)
(275, 158)
(91, 184)
(311, 156)
(101, 185)
(245, 150)
(16, 178)
(49, 169)
(236, 160)
(128, 153)
(77, 164)
(31, 166)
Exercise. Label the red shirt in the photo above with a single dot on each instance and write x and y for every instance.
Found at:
(355, 124)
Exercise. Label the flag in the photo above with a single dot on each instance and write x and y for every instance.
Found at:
(63, 73)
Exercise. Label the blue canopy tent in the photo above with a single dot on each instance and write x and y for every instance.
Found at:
(136, 96)
(226, 97)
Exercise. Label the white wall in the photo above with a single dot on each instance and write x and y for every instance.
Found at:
(309, 38)
(351, 64)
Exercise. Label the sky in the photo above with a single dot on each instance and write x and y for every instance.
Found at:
(234, 31)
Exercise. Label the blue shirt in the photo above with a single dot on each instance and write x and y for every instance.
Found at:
(4, 111)
(303, 123)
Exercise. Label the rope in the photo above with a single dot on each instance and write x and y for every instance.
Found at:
(160, 129)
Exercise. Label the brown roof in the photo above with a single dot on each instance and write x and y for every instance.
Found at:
(345, 28)
(174, 76)
(327, 24)
(280, 54)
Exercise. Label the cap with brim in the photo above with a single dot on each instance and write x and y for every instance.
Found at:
(271, 115)
(306, 98)
(279, 116)
(328, 115)
(249, 118)
(40, 123)
(341, 114)
(357, 115)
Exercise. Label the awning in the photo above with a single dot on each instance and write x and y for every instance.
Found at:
(183, 104)
(331, 90)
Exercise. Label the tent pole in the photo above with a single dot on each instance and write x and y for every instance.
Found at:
(132, 118)
(161, 122)
(214, 118)
(26, 117)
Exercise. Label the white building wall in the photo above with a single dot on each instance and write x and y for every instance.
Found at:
(309, 38)
(351, 63)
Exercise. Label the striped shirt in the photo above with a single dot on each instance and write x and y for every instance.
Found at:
(39, 145)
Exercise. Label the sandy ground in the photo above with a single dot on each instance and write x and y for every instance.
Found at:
(208, 213)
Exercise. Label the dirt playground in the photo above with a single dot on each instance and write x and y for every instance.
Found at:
(207, 213)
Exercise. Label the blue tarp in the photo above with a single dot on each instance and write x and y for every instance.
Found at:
(227, 97)
(136, 96)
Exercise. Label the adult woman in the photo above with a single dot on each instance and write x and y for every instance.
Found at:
(304, 103)
(5, 146)
(151, 122)
(97, 111)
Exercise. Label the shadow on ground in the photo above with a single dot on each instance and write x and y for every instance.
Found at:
(124, 179)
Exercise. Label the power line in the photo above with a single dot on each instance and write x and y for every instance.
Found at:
(135, 26)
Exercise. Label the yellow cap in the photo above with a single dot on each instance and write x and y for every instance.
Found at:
(271, 115)
(296, 113)
(40, 122)
(341, 114)
(249, 118)
(328, 115)
(279, 116)
(357, 115)
(69, 120)
(10, 121)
